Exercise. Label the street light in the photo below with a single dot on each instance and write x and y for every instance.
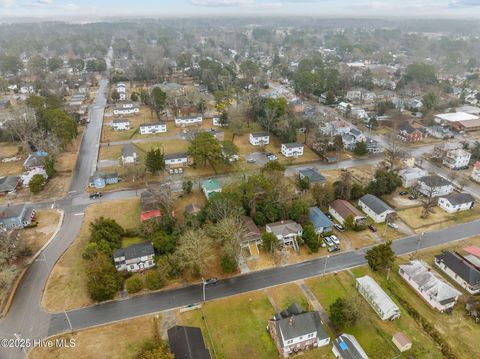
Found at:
(203, 287)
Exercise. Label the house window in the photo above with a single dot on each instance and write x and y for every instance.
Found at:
(132, 267)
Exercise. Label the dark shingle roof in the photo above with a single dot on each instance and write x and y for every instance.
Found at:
(292, 145)
(312, 175)
(461, 266)
(459, 198)
(434, 181)
(135, 251)
(128, 150)
(187, 343)
(174, 156)
(10, 211)
(8, 183)
(259, 134)
(375, 204)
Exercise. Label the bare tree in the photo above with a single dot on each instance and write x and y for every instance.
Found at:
(21, 122)
(394, 151)
(229, 233)
(163, 196)
(195, 251)
(428, 202)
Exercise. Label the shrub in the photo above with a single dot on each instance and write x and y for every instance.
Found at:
(134, 285)
(36, 183)
(229, 264)
(154, 280)
(103, 279)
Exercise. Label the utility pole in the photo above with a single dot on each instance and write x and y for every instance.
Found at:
(203, 287)
(325, 266)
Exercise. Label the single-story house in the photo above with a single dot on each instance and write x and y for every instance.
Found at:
(188, 120)
(35, 160)
(148, 206)
(381, 303)
(411, 175)
(100, 179)
(341, 209)
(460, 269)
(120, 125)
(9, 184)
(259, 139)
(434, 290)
(26, 177)
(252, 238)
(286, 232)
(376, 209)
(129, 155)
(434, 185)
(16, 216)
(176, 160)
(294, 330)
(456, 202)
(320, 221)
(293, 149)
(346, 346)
(156, 127)
(126, 109)
(211, 186)
(312, 175)
(402, 342)
(135, 257)
(187, 343)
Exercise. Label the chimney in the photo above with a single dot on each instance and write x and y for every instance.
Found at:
(290, 321)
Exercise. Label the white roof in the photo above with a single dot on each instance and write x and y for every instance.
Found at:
(377, 295)
(428, 281)
(456, 116)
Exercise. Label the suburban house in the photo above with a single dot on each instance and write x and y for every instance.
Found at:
(439, 132)
(348, 141)
(253, 237)
(434, 185)
(129, 155)
(35, 160)
(9, 184)
(457, 159)
(461, 270)
(148, 206)
(293, 149)
(346, 346)
(341, 209)
(456, 202)
(187, 343)
(411, 175)
(408, 133)
(476, 172)
(259, 139)
(312, 175)
(334, 128)
(217, 122)
(381, 303)
(135, 257)
(188, 121)
(295, 330)
(402, 342)
(26, 177)
(373, 146)
(211, 186)
(126, 109)
(286, 232)
(156, 127)
(376, 209)
(100, 179)
(120, 125)
(16, 216)
(177, 160)
(320, 221)
(434, 290)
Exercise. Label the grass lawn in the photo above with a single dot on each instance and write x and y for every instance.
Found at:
(110, 153)
(354, 240)
(372, 333)
(236, 326)
(109, 135)
(121, 340)
(287, 294)
(130, 241)
(11, 168)
(9, 149)
(169, 146)
(195, 197)
(66, 286)
(437, 220)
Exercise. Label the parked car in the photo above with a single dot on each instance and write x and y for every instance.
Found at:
(333, 249)
(372, 227)
(251, 160)
(95, 195)
(329, 216)
(412, 197)
(211, 281)
(335, 239)
(392, 225)
(403, 193)
(328, 241)
(339, 227)
(271, 157)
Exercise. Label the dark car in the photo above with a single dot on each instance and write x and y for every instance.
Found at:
(339, 227)
(372, 228)
(329, 216)
(403, 193)
(96, 195)
(211, 281)
(333, 248)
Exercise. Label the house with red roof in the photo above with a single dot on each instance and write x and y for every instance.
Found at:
(476, 172)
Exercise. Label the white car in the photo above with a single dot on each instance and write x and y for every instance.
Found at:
(272, 157)
(392, 225)
(328, 241)
(335, 239)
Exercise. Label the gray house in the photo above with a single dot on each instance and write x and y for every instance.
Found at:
(312, 175)
(134, 258)
(320, 221)
(376, 209)
(9, 184)
(16, 216)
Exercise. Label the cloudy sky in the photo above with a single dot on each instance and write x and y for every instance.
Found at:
(101, 8)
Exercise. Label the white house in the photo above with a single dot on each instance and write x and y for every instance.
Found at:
(434, 186)
(460, 269)
(476, 172)
(121, 125)
(126, 109)
(188, 121)
(375, 208)
(176, 160)
(156, 127)
(293, 149)
(457, 159)
(381, 303)
(134, 258)
(411, 175)
(259, 139)
(456, 202)
(26, 177)
(286, 232)
(129, 155)
(429, 285)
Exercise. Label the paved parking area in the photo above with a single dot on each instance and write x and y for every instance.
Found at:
(259, 157)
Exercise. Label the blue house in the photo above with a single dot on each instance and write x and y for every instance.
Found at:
(320, 221)
(16, 216)
(100, 179)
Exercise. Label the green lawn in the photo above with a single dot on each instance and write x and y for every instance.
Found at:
(129, 241)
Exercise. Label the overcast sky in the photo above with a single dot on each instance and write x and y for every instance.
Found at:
(96, 8)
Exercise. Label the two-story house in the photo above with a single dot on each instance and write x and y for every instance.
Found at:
(408, 133)
(129, 154)
(188, 121)
(120, 125)
(457, 159)
(286, 232)
(293, 149)
(134, 258)
(177, 160)
(259, 139)
(434, 186)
